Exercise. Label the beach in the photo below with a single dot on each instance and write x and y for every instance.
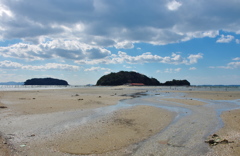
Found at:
(119, 120)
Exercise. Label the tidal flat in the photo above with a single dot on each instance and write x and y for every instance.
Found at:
(119, 120)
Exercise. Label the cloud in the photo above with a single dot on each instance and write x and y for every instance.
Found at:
(237, 41)
(95, 69)
(4, 11)
(52, 66)
(237, 59)
(194, 58)
(225, 39)
(128, 67)
(103, 23)
(10, 65)
(173, 5)
(66, 49)
(231, 65)
(49, 66)
(192, 68)
(148, 57)
(124, 45)
(170, 70)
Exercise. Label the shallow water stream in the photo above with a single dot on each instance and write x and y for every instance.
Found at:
(187, 133)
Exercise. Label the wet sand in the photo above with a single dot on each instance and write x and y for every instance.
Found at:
(83, 121)
(49, 101)
(32, 117)
(231, 132)
(186, 101)
(124, 128)
(231, 128)
(213, 95)
(4, 149)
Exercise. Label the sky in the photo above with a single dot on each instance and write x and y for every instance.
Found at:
(81, 40)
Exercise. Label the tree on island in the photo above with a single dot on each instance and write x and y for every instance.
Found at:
(125, 77)
(177, 83)
(45, 81)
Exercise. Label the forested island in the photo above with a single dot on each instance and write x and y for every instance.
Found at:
(45, 81)
(132, 78)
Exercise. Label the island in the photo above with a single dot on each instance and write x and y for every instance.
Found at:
(177, 83)
(135, 79)
(125, 77)
(45, 81)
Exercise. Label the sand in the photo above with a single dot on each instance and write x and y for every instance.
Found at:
(231, 132)
(113, 131)
(49, 101)
(231, 119)
(4, 149)
(45, 122)
(213, 95)
(124, 128)
(186, 101)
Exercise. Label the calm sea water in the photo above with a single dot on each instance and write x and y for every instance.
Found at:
(35, 87)
(184, 88)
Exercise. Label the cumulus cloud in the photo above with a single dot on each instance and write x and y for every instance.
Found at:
(95, 69)
(147, 57)
(66, 49)
(170, 70)
(173, 5)
(237, 41)
(194, 58)
(128, 67)
(49, 66)
(230, 65)
(192, 68)
(225, 39)
(52, 66)
(103, 23)
(10, 65)
(124, 45)
(237, 59)
(233, 65)
(4, 11)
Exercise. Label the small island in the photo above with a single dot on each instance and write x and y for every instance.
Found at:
(125, 77)
(177, 83)
(45, 81)
(135, 79)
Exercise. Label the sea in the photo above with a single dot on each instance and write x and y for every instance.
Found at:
(193, 87)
